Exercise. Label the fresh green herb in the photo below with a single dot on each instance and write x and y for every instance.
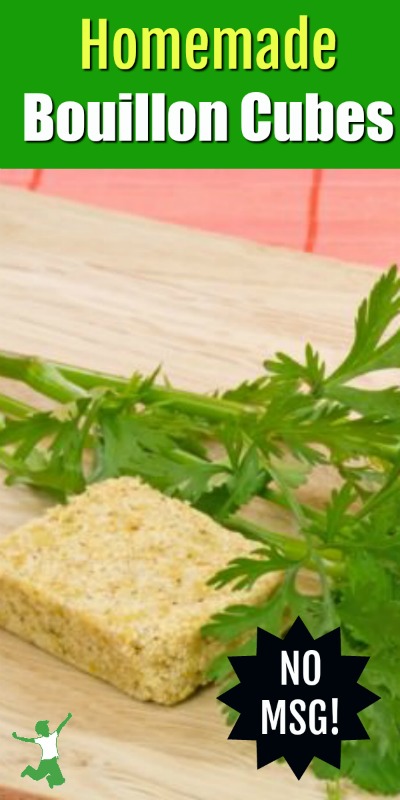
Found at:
(264, 439)
(334, 791)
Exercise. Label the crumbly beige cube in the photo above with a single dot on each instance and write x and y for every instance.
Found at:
(115, 583)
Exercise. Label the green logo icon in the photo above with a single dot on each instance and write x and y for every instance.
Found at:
(48, 767)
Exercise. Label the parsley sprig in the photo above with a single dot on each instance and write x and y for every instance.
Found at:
(264, 440)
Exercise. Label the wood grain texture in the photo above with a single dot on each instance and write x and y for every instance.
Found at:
(7, 793)
(120, 293)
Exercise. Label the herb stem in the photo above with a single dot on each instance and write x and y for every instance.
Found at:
(14, 408)
(217, 409)
(41, 376)
(64, 384)
(292, 548)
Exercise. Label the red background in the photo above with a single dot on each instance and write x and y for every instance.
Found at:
(351, 214)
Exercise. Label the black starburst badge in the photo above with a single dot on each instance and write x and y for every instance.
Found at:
(298, 697)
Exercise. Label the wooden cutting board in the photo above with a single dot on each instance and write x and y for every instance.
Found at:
(122, 294)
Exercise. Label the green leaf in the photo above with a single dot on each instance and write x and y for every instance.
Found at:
(375, 314)
(288, 370)
(132, 445)
(374, 403)
(243, 573)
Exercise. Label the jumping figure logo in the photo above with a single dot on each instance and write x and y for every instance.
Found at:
(48, 767)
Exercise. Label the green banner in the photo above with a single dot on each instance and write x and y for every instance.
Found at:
(206, 85)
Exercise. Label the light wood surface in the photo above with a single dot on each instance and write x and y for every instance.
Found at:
(121, 293)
